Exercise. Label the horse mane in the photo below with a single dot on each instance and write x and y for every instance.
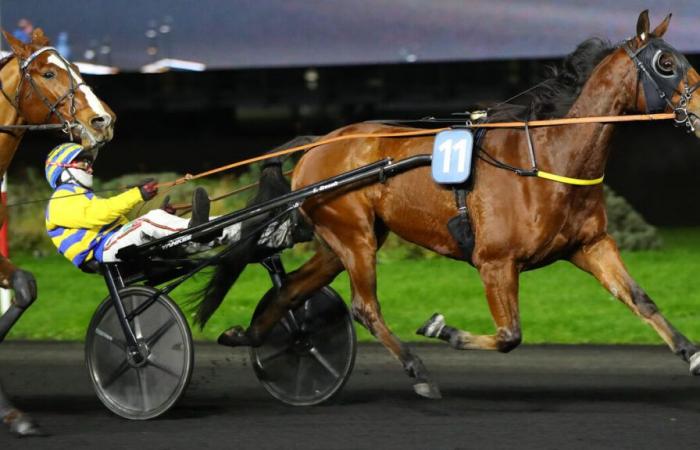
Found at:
(555, 96)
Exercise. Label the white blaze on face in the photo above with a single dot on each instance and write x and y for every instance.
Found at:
(94, 102)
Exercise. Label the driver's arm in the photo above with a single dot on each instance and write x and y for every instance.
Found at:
(79, 211)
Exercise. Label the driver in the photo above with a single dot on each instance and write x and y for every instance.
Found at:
(86, 228)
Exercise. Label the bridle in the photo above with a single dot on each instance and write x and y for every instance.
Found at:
(67, 124)
(664, 85)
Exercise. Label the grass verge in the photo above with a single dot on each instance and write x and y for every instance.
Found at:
(559, 303)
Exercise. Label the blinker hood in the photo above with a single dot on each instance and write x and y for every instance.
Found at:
(658, 88)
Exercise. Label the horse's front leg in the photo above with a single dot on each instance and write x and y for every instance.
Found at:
(24, 285)
(602, 260)
(500, 280)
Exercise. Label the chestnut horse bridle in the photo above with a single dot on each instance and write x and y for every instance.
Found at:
(653, 81)
(67, 124)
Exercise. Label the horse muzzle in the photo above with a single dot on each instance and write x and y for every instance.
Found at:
(695, 122)
(92, 137)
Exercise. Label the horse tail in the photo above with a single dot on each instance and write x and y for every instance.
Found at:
(272, 184)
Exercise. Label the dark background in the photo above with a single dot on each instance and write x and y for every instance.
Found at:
(227, 34)
(190, 122)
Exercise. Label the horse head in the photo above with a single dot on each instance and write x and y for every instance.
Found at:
(666, 80)
(49, 89)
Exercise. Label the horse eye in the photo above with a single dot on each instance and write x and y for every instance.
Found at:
(48, 75)
(665, 64)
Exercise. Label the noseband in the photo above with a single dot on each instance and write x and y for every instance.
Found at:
(67, 123)
(665, 86)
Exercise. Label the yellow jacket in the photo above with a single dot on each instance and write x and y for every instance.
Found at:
(79, 224)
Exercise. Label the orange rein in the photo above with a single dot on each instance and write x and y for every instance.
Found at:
(534, 123)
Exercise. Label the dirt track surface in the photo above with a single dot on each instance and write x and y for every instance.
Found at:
(538, 397)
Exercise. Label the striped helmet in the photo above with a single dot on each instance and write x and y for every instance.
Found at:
(58, 159)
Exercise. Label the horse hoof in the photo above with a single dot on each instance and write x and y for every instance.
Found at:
(233, 337)
(695, 364)
(428, 390)
(433, 326)
(21, 425)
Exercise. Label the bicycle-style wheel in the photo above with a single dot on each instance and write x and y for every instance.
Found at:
(145, 387)
(309, 355)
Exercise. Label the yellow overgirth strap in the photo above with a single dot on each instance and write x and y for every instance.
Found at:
(567, 180)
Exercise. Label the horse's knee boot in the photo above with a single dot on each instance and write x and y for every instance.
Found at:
(24, 286)
(25, 293)
(508, 340)
(644, 304)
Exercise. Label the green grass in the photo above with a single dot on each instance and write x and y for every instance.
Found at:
(559, 303)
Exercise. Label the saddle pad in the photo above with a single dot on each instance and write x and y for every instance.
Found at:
(452, 156)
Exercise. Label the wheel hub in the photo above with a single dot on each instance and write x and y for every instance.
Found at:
(139, 356)
(302, 344)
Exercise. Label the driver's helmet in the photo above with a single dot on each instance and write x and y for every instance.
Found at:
(59, 159)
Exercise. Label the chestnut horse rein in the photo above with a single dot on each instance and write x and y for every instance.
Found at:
(534, 123)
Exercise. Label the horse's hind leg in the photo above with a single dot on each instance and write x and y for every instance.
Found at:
(500, 280)
(602, 260)
(357, 250)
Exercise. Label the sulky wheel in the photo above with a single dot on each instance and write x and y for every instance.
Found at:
(310, 353)
(144, 389)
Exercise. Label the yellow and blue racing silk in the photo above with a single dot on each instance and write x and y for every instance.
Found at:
(78, 222)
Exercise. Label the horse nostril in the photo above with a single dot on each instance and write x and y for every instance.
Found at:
(100, 122)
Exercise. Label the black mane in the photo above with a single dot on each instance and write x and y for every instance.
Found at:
(554, 96)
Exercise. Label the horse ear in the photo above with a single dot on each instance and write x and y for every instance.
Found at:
(663, 26)
(643, 25)
(39, 38)
(18, 47)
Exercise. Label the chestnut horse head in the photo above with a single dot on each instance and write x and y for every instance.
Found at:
(42, 87)
(518, 220)
(667, 79)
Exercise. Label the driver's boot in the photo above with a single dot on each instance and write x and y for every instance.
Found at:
(200, 207)
(200, 215)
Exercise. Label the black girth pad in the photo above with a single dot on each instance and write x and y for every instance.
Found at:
(460, 226)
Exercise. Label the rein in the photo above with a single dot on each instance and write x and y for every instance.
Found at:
(490, 160)
(664, 85)
(534, 123)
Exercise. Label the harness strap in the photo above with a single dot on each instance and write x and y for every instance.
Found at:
(568, 180)
(652, 103)
(530, 148)
(536, 172)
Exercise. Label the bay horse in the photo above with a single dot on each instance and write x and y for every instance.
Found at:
(519, 223)
(39, 87)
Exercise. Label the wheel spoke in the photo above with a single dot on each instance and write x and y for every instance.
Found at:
(324, 362)
(121, 370)
(276, 354)
(155, 337)
(163, 368)
(289, 322)
(143, 388)
(121, 345)
(307, 310)
(298, 377)
(138, 332)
